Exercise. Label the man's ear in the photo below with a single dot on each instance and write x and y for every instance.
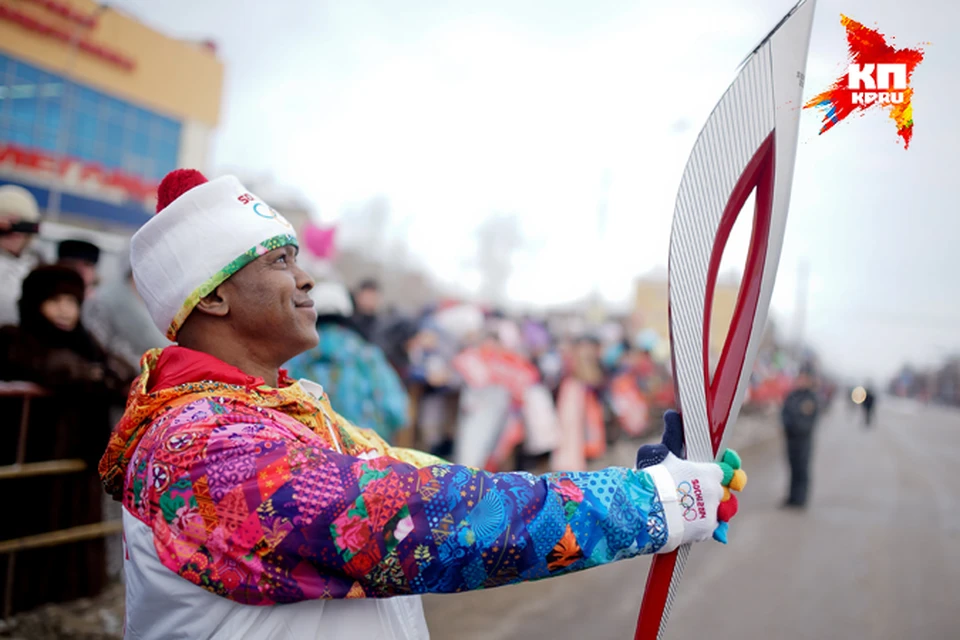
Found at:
(214, 304)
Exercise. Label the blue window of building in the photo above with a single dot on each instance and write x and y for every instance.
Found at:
(35, 105)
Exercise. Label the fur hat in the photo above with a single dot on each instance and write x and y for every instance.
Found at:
(44, 283)
(78, 250)
(17, 202)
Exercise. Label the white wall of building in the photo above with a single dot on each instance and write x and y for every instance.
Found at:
(195, 140)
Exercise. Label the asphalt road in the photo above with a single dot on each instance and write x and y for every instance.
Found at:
(875, 556)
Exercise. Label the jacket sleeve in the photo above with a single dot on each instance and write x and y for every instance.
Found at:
(261, 519)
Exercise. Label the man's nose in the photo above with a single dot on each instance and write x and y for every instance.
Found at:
(304, 280)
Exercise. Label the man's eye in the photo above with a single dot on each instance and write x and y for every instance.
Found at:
(282, 259)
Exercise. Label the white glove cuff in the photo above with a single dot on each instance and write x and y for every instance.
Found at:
(672, 511)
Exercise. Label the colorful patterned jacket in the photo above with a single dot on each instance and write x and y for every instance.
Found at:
(239, 494)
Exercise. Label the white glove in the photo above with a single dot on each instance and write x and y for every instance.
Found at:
(696, 501)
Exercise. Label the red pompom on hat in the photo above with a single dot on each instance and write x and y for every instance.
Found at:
(177, 183)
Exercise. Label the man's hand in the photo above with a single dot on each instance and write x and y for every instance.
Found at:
(696, 496)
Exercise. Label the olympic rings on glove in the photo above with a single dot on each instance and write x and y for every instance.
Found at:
(688, 500)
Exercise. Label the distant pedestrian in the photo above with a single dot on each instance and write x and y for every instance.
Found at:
(354, 371)
(799, 415)
(83, 257)
(366, 309)
(52, 348)
(118, 318)
(868, 401)
(19, 224)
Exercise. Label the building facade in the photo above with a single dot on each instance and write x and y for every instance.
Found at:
(95, 108)
(651, 304)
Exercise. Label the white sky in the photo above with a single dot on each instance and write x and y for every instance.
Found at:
(456, 110)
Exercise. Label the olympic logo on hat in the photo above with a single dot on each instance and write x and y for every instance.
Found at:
(270, 213)
(691, 499)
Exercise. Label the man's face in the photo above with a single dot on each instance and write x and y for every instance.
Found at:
(368, 301)
(270, 305)
(14, 243)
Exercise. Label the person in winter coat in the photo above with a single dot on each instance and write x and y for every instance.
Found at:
(83, 257)
(539, 345)
(19, 223)
(580, 409)
(253, 510)
(869, 399)
(434, 381)
(118, 318)
(628, 389)
(400, 337)
(51, 348)
(528, 419)
(799, 416)
(352, 371)
(366, 309)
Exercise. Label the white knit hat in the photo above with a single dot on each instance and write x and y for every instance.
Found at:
(203, 233)
(19, 203)
(460, 321)
(331, 298)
